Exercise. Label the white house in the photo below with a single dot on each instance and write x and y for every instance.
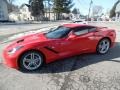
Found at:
(3, 10)
(14, 16)
(23, 14)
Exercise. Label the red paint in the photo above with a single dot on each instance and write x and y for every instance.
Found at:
(66, 47)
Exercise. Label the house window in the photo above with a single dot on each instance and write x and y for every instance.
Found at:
(1, 13)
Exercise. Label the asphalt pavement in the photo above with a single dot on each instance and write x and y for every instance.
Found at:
(82, 72)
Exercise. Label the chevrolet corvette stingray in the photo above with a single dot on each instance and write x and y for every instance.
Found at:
(31, 51)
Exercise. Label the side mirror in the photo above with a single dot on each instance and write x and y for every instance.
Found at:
(51, 29)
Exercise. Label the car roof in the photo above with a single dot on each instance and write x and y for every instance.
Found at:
(74, 25)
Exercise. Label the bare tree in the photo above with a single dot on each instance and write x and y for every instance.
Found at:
(10, 5)
(10, 1)
(97, 10)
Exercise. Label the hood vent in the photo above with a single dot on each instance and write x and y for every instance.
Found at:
(20, 40)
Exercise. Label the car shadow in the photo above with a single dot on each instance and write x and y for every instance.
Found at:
(80, 61)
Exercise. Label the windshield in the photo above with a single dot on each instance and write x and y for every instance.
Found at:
(59, 32)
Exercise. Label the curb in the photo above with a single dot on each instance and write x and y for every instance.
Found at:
(40, 22)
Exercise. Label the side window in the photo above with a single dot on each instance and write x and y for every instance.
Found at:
(92, 29)
(81, 31)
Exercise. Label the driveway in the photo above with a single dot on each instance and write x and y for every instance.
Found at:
(82, 72)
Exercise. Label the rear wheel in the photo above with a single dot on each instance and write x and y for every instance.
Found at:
(103, 46)
(31, 61)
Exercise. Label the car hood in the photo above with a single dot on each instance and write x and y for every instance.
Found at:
(32, 38)
(28, 39)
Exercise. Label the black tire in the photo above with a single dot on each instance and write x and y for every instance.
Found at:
(107, 47)
(23, 64)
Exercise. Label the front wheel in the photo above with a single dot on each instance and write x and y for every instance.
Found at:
(31, 61)
(103, 46)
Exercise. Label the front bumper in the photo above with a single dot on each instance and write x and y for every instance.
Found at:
(10, 60)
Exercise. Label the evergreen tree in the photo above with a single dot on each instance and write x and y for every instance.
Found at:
(37, 9)
(62, 6)
(112, 12)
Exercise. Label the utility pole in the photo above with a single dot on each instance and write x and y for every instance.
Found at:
(91, 2)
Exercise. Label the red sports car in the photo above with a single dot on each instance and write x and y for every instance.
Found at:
(31, 51)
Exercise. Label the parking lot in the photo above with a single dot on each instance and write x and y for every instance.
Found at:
(82, 72)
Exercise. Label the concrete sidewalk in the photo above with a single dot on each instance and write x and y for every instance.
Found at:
(18, 28)
(32, 22)
(8, 30)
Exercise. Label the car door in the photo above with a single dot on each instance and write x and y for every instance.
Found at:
(60, 46)
(84, 40)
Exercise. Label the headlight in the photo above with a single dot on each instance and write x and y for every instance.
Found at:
(13, 50)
